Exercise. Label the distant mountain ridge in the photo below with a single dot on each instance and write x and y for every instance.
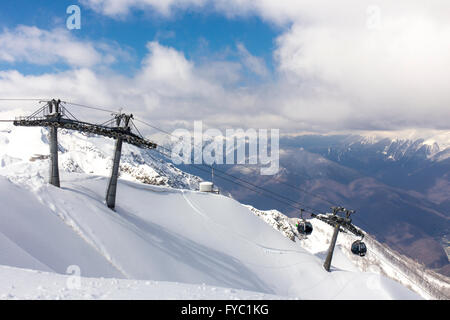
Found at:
(400, 187)
(408, 164)
(156, 233)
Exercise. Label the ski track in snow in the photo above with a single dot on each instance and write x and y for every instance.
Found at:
(30, 284)
(272, 254)
(179, 239)
(62, 213)
(266, 249)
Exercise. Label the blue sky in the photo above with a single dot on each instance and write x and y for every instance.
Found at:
(199, 34)
(298, 65)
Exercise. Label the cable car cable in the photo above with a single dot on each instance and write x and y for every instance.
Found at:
(281, 182)
(311, 210)
(89, 107)
(20, 99)
(271, 195)
(234, 177)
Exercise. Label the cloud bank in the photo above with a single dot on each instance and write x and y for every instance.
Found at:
(45, 47)
(347, 65)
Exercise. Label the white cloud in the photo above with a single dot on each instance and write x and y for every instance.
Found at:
(343, 64)
(167, 88)
(122, 7)
(253, 63)
(337, 67)
(43, 47)
(388, 77)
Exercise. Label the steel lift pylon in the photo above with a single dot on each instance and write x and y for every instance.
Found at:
(54, 116)
(122, 121)
(339, 223)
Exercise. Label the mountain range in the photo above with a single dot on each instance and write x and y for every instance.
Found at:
(400, 188)
(163, 240)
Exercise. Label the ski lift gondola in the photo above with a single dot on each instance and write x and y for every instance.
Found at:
(359, 248)
(304, 227)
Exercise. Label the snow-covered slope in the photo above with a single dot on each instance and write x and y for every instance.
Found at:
(32, 284)
(26, 150)
(157, 233)
(164, 234)
(379, 259)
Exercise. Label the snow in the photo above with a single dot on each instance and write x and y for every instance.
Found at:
(165, 234)
(26, 148)
(435, 140)
(379, 259)
(185, 244)
(31, 284)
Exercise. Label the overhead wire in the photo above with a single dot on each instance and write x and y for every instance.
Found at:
(397, 268)
(156, 128)
(90, 107)
(306, 191)
(70, 113)
(106, 123)
(21, 99)
(137, 130)
(266, 193)
(232, 176)
(39, 110)
(66, 102)
(252, 187)
(281, 182)
(223, 175)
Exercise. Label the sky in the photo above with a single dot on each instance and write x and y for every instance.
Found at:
(294, 65)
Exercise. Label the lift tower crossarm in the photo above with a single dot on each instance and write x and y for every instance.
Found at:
(345, 222)
(339, 223)
(110, 132)
(53, 116)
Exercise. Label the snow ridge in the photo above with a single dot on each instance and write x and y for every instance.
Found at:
(380, 259)
(86, 153)
(162, 232)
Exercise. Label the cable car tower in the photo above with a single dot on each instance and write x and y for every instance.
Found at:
(54, 115)
(343, 224)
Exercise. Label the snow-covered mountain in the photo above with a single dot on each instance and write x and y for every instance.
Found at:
(164, 234)
(395, 149)
(177, 241)
(389, 148)
(379, 259)
(399, 185)
(26, 150)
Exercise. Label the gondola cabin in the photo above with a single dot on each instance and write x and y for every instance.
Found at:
(304, 227)
(359, 248)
